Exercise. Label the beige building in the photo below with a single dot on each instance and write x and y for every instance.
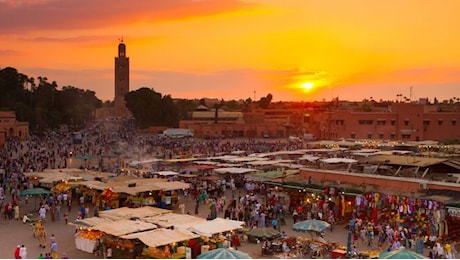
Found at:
(10, 127)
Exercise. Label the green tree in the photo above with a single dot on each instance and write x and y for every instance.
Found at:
(265, 101)
(149, 108)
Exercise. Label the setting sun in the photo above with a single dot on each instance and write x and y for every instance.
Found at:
(307, 86)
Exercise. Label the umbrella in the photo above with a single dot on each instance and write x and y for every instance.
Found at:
(34, 191)
(401, 253)
(311, 225)
(224, 253)
(263, 233)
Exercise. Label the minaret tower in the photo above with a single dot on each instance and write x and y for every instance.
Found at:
(121, 80)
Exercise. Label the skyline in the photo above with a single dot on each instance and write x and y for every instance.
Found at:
(296, 50)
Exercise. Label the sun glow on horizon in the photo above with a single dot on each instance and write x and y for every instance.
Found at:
(307, 86)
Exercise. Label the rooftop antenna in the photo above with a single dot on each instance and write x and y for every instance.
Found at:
(121, 39)
(254, 95)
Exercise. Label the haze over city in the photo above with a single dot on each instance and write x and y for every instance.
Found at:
(235, 49)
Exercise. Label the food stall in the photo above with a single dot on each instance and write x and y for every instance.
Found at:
(113, 232)
(163, 243)
(132, 213)
(86, 237)
(217, 232)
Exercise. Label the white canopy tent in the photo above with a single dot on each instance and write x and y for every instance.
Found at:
(309, 158)
(182, 221)
(161, 236)
(124, 227)
(338, 160)
(216, 226)
(234, 170)
(166, 173)
(91, 222)
(129, 213)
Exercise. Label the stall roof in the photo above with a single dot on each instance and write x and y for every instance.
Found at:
(215, 226)
(234, 170)
(129, 213)
(263, 163)
(403, 160)
(161, 236)
(278, 153)
(338, 160)
(93, 221)
(121, 185)
(166, 173)
(247, 159)
(172, 185)
(175, 220)
(309, 158)
(290, 165)
(124, 227)
(67, 174)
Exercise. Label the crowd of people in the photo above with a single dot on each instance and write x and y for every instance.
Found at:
(250, 202)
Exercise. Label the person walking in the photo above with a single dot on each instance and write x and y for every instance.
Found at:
(16, 212)
(17, 252)
(275, 224)
(23, 252)
(54, 250)
(42, 213)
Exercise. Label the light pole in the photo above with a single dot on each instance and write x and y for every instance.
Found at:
(350, 232)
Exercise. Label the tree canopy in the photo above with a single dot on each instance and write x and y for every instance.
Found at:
(44, 106)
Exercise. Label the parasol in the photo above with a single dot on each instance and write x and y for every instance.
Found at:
(401, 253)
(224, 253)
(263, 233)
(311, 225)
(34, 192)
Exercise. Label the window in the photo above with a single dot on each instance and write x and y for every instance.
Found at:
(381, 122)
(339, 122)
(369, 136)
(353, 135)
(393, 122)
(405, 136)
(426, 122)
(440, 122)
(392, 136)
(365, 122)
(406, 122)
(381, 136)
(454, 122)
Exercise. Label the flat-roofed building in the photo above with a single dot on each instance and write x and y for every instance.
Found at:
(10, 127)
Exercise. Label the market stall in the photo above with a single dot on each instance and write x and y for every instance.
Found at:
(174, 220)
(163, 243)
(113, 232)
(86, 239)
(132, 213)
(216, 226)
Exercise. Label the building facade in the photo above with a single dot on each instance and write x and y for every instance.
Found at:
(11, 128)
(395, 122)
(224, 124)
(400, 121)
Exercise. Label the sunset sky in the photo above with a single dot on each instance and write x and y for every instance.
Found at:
(235, 49)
